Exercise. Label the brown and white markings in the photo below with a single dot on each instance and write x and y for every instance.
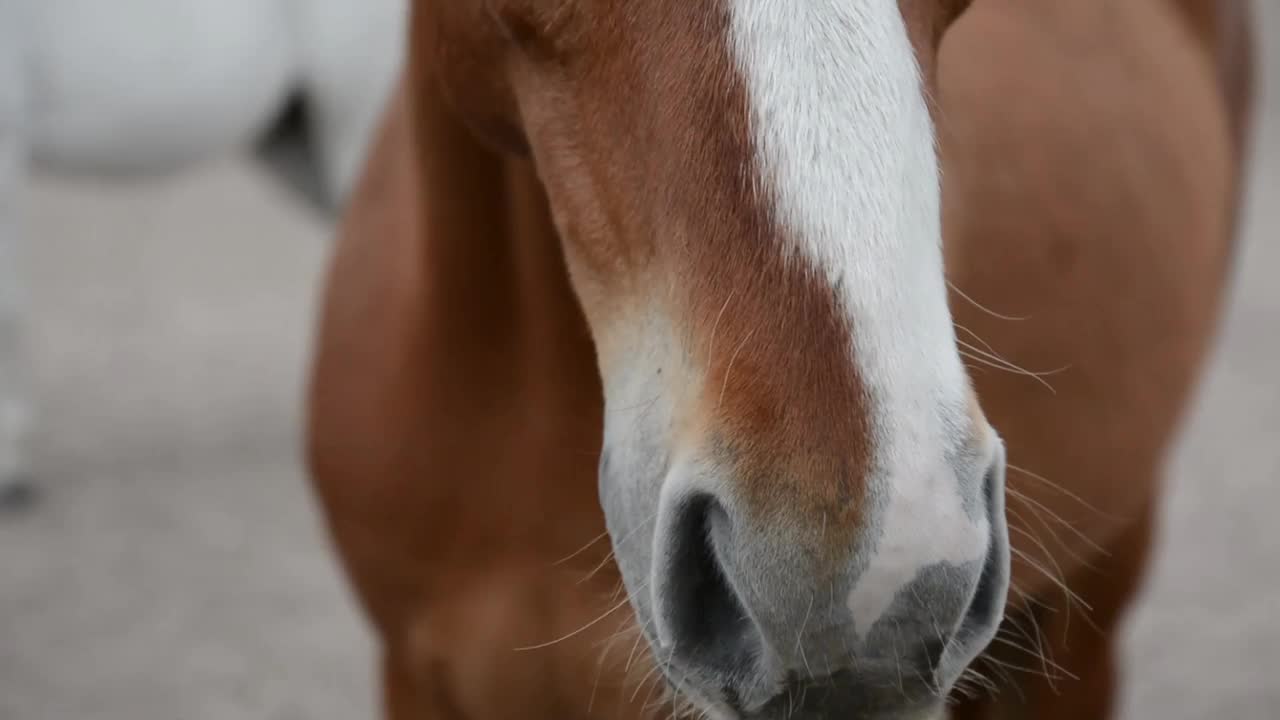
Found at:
(688, 262)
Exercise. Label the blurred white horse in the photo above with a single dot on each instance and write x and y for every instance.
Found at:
(140, 87)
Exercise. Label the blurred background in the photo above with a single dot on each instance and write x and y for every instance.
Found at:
(172, 566)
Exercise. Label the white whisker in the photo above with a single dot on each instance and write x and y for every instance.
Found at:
(582, 549)
(982, 307)
(577, 632)
(724, 384)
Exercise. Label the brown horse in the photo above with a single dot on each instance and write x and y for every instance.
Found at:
(743, 286)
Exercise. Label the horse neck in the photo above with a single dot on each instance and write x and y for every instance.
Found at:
(493, 271)
(506, 350)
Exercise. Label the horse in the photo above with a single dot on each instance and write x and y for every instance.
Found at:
(145, 88)
(751, 359)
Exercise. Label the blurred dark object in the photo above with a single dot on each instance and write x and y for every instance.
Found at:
(289, 153)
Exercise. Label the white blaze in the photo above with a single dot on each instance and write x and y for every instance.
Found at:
(846, 151)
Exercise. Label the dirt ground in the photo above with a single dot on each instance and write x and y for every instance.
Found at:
(174, 569)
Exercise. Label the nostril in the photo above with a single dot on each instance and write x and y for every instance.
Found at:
(987, 598)
(705, 622)
(987, 606)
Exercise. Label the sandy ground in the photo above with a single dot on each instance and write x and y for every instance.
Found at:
(174, 568)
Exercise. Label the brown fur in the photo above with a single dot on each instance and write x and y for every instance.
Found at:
(691, 235)
(1091, 153)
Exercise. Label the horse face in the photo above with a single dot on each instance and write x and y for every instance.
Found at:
(799, 484)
